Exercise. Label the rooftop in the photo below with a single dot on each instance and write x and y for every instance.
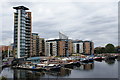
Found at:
(21, 7)
(58, 40)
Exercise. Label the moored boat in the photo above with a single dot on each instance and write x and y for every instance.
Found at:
(85, 60)
(99, 58)
(53, 67)
(28, 68)
(56, 68)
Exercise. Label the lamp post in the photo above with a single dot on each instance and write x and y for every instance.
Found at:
(8, 51)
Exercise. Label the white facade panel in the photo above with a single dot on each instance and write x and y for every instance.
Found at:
(54, 48)
(18, 38)
(80, 47)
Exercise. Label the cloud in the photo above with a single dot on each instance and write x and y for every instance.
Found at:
(96, 21)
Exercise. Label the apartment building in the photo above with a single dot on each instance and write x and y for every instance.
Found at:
(78, 46)
(42, 46)
(51, 48)
(59, 47)
(22, 32)
(34, 45)
(88, 47)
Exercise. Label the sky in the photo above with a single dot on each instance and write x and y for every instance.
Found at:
(84, 20)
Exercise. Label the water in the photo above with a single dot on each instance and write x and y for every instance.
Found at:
(97, 69)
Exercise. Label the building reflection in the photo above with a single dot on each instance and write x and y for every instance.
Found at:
(87, 66)
(31, 75)
(27, 75)
(34, 75)
(61, 73)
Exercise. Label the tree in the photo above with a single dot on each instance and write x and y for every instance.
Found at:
(109, 48)
(99, 50)
(103, 50)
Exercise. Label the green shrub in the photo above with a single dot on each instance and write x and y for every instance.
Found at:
(3, 78)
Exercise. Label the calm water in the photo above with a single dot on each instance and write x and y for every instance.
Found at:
(102, 69)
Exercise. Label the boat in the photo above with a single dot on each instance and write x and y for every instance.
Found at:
(56, 68)
(69, 65)
(85, 60)
(91, 60)
(53, 67)
(28, 68)
(98, 58)
(76, 64)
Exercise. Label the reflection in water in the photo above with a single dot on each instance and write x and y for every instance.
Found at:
(118, 58)
(61, 73)
(110, 62)
(30, 75)
(99, 60)
(86, 66)
(27, 75)
(71, 66)
(86, 70)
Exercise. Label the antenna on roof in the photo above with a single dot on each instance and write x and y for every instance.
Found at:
(62, 36)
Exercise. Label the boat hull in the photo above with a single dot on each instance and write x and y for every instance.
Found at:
(32, 69)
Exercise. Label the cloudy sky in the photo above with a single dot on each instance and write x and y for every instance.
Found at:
(93, 20)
